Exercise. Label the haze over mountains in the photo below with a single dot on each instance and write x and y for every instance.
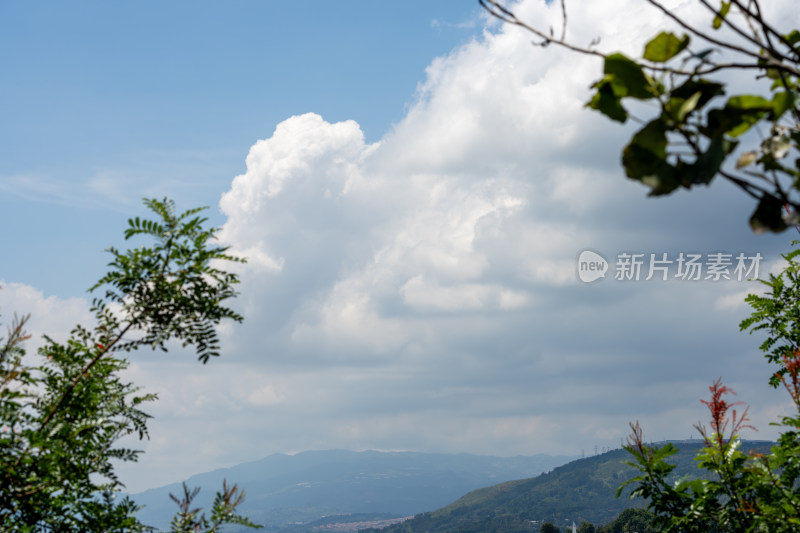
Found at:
(288, 489)
(339, 490)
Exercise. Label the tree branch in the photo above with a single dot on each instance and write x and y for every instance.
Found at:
(701, 34)
(502, 13)
(767, 29)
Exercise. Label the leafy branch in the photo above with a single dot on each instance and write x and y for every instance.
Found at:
(61, 419)
(189, 520)
(674, 76)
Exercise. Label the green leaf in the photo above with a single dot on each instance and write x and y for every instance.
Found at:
(747, 121)
(723, 12)
(707, 164)
(793, 37)
(623, 78)
(664, 47)
(644, 159)
(740, 113)
(749, 102)
(628, 78)
(652, 138)
(607, 102)
(782, 102)
(688, 105)
(707, 89)
(767, 216)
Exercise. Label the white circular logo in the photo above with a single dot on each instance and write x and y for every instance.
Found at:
(591, 266)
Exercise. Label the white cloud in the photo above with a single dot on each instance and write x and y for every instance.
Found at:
(265, 396)
(419, 293)
(426, 283)
(734, 300)
(49, 315)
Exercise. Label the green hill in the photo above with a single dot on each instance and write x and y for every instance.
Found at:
(584, 489)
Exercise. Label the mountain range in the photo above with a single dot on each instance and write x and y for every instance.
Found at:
(288, 490)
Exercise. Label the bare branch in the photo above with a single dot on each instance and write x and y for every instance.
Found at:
(753, 39)
(701, 34)
(749, 19)
(502, 13)
(766, 28)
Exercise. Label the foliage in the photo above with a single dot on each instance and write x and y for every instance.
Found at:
(56, 442)
(695, 131)
(750, 492)
(64, 410)
(171, 290)
(549, 527)
(777, 313)
(190, 520)
(629, 521)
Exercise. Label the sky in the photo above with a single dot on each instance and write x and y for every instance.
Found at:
(412, 184)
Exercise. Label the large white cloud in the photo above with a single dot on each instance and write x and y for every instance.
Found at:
(478, 198)
(425, 285)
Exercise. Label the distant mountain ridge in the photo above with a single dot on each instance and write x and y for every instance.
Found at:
(290, 489)
(584, 489)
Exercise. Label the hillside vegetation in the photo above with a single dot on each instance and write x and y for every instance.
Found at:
(583, 490)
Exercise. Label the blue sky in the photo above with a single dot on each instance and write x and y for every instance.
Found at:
(412, 184)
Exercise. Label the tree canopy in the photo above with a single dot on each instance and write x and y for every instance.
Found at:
(64, 410)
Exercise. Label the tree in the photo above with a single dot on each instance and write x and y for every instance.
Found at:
(746, 492)
(695, 132)
(630, 521)
(63, 412)
(189, 520)
(549, 527)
